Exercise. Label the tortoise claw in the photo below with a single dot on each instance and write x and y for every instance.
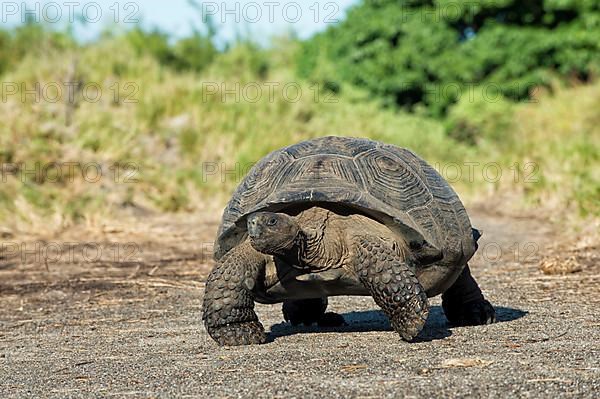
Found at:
(247, 333)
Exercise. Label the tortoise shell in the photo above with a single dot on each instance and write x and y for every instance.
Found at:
(388, 183)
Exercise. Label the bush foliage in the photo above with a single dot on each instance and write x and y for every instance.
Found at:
(432, 52)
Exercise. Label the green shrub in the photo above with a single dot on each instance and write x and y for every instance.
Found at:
(423, 52)
(480, 117)
(192, 53)
(31, 38)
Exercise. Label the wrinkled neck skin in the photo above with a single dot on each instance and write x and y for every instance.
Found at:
(316, 250)
(294, 256)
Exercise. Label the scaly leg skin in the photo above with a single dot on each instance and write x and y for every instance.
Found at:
(309, 311)
(228, 308)
(464, 304)
(393, 285)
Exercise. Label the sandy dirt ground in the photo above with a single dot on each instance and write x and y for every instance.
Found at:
(115, 312)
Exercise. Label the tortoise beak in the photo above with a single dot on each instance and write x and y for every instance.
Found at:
(254, 228)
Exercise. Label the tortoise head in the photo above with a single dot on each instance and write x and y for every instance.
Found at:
(273, 233)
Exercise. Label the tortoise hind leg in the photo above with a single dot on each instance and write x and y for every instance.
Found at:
(464, 304)
(393, 285)
(309, 311)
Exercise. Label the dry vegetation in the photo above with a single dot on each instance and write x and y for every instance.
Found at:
(166, 140)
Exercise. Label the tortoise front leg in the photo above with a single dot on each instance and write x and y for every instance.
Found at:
(393, 285)
(228, 308)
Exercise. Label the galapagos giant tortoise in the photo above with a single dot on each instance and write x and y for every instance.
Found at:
(341, 216)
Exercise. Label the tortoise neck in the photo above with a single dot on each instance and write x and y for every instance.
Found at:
(294, 256)
(310, 248)
(319, 252)
(305, 251)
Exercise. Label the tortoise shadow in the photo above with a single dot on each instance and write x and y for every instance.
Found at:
(436, 327)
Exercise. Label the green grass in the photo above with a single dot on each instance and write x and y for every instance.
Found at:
(169, 143)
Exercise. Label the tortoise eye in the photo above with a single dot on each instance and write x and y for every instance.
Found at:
(272, 222)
